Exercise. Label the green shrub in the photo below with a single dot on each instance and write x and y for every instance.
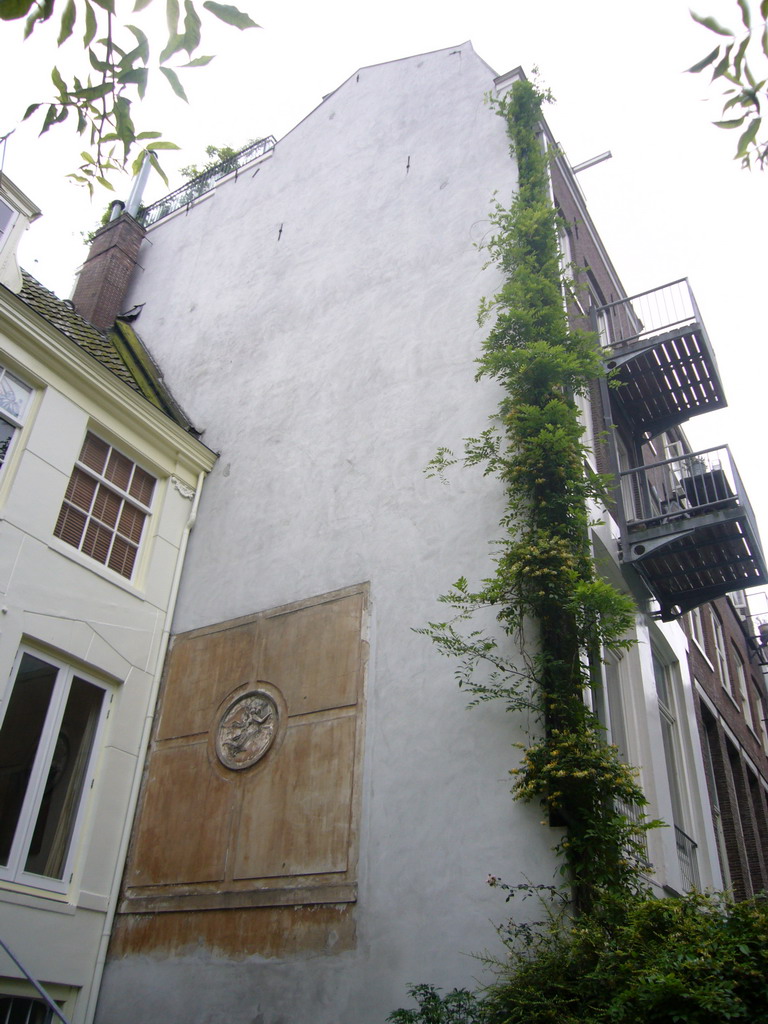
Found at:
(457, 1007)
(691, 960)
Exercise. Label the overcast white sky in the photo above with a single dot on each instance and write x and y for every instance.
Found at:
(671, 203)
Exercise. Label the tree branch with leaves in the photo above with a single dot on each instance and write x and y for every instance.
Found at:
(118, 61)
(730, 61)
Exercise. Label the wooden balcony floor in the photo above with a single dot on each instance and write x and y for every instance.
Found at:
(666, 379)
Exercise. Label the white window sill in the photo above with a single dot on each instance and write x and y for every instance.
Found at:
(733, 701)
(38, 899)
(72, 553)
(702, 652)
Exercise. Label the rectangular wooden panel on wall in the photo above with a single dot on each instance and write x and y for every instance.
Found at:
(251, 792)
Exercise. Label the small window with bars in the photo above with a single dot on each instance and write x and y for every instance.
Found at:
(21, 1010)
(106, 505)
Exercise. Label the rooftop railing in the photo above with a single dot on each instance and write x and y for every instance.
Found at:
(658, 311)
(205, 182)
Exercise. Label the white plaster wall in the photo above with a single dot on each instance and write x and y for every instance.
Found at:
(55, 600)
(326, 364)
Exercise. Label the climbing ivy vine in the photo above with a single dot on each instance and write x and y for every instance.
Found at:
(545, 590)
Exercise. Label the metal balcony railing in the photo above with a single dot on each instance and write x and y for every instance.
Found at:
(635, 814)
(688, 528)
(687, 859)
(670, 307)
(204, 182)
(683, 487)
(660, 356)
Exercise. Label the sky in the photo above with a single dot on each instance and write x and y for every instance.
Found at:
(672, 202)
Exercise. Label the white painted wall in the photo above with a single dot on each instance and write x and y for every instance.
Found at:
(316, 316)
(63, 604)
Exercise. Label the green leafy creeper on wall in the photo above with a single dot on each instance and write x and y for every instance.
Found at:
(545, 589)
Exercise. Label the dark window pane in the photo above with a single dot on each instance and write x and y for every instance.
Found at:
(119, 470)
(67, 773)
(80, 490)
(142, 486)
(19, 740)
(94, 453)
(96, 542)
(122, 557)
(131, 523)
(70, 525)
(20, 1010)
(106, 506)
(6, 433)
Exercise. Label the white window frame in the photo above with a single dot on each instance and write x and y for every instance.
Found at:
(743, 684)
(126, 499)
(7, 415)
(14, 871)
(721, 655)
(696, 623)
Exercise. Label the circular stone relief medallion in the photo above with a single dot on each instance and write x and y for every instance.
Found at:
(247, 729)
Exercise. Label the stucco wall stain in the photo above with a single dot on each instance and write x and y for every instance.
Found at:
(283, 932)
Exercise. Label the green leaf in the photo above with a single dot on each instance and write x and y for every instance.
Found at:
(90, 25)
(704, 63)
(58, 81)
(106, 5)
(143, 42)
(67, 22)
(149, 135)
(737, 60)
(162, 145)
(174, 44)
(105, 183)
(711, 24)
(765, 40)
(176, 85)
(98, 65)
(50, 118)
(724, 64)
(140, 5)
(41, 13)
(198, 62)
(745, 13)
(156, 164)
(30, 110)
(730, 124)
(748, 137)
(94, 92)
(124, 125)
(87, 158)
(135, 76)
(191, 27)
(81, 122)
(10, 10)
(230, 15)
(172, 16)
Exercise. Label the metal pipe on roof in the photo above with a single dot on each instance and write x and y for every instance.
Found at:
(591, 163)
(139, 182)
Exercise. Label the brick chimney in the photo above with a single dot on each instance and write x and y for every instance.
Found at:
(105, 275)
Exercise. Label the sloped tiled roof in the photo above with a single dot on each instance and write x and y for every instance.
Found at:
(62, 316)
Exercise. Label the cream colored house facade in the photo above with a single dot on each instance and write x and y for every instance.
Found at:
(99, 488)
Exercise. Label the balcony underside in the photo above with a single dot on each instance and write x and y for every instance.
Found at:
(666, 379)
(687, 561)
